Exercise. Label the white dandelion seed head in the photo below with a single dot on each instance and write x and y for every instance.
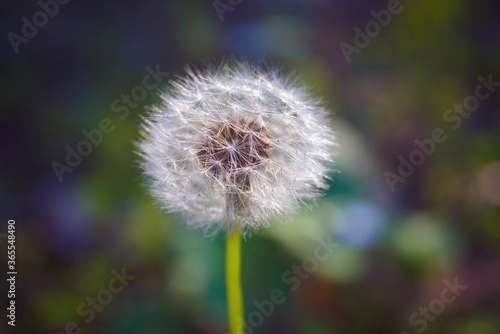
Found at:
(236, 146)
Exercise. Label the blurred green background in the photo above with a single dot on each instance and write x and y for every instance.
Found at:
(395, 248)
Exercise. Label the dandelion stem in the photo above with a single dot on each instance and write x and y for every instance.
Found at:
(233, 282)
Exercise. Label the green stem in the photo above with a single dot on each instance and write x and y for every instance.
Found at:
(233, 282)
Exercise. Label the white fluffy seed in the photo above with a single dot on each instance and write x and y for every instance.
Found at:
(236, 145)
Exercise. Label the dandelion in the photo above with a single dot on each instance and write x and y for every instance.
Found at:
(233, 148)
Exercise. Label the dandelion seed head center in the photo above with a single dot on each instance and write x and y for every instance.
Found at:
(233, 148)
